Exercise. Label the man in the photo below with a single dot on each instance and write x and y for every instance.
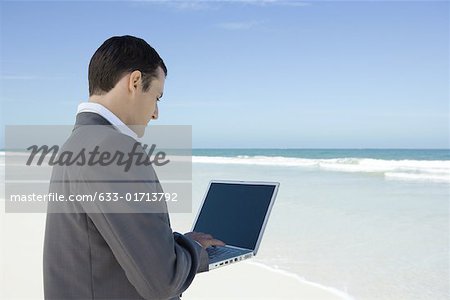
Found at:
(90, 254)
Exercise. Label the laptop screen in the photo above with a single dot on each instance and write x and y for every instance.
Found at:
(235, 213)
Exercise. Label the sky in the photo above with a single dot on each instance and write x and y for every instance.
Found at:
(246, 74)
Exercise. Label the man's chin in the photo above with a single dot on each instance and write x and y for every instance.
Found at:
(139, 130)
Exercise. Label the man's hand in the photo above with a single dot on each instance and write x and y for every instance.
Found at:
(206, 240)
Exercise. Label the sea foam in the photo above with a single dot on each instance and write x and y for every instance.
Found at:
(411, 170)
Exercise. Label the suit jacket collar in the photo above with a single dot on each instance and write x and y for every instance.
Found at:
(90, 118)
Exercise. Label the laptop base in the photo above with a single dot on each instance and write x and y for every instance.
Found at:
(228, 256)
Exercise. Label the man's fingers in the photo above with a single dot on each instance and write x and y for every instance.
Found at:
(214, 242)
(205, 239)
(217, 242)
(202, 235)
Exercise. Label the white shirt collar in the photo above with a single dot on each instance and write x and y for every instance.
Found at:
(109, 116)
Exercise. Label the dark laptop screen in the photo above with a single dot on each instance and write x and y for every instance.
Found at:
(234, 213)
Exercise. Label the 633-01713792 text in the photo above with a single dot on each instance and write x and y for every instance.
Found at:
(102, 197)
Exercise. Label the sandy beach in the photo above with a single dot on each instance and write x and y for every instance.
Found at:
(22, 238)
(247, 280)
(317, 245)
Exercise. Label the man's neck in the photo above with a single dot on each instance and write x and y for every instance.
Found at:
(117, 110)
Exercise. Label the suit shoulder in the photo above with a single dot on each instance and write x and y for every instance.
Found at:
(103, 136)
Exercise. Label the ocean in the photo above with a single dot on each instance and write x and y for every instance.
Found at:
(373, 224)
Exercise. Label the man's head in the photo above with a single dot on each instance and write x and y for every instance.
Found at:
(127, 76)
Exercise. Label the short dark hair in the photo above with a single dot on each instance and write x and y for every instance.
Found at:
(118, 56)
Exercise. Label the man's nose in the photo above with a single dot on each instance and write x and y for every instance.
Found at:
(155, 113)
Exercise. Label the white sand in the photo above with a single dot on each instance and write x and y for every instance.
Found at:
(247, 279)
(21, 265)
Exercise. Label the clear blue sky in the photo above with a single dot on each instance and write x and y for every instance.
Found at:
(273, 74)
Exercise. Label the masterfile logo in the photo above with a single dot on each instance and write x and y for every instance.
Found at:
(108, 171)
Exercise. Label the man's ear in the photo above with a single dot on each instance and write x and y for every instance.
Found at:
(134, 81)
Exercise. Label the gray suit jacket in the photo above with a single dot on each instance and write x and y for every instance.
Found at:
(98, 255)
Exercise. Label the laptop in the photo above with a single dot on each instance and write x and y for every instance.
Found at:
(235, 212)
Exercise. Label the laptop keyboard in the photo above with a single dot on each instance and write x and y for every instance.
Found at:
(216, 252)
